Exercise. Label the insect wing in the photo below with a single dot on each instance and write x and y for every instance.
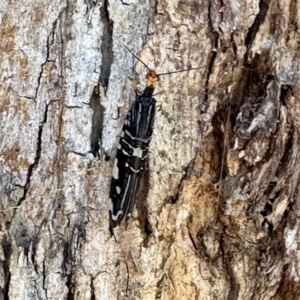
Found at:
(129, 163)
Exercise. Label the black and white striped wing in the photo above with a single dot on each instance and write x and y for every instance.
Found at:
(129, 163)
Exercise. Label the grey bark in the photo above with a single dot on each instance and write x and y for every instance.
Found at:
(217, 214)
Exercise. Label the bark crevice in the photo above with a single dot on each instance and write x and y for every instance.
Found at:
(34, 165)
(260, 17)
(107, 45)
(7, 250)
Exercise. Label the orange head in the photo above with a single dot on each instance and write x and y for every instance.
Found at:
(152, 79)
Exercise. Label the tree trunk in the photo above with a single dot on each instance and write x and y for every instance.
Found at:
(217, 213)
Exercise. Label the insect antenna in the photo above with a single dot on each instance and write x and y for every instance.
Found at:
(172, 72)
(137, 57)
(179, 71)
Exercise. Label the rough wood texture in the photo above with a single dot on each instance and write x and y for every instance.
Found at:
(218, 213)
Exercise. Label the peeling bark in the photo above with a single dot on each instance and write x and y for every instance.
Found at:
(217, 214)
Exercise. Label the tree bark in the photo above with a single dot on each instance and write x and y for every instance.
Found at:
(217, 214)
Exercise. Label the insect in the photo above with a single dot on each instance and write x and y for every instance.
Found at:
(132, 151)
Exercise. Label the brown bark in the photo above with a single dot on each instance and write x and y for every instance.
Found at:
(217, 215)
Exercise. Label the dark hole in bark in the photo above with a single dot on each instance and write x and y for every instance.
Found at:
(97, 122)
